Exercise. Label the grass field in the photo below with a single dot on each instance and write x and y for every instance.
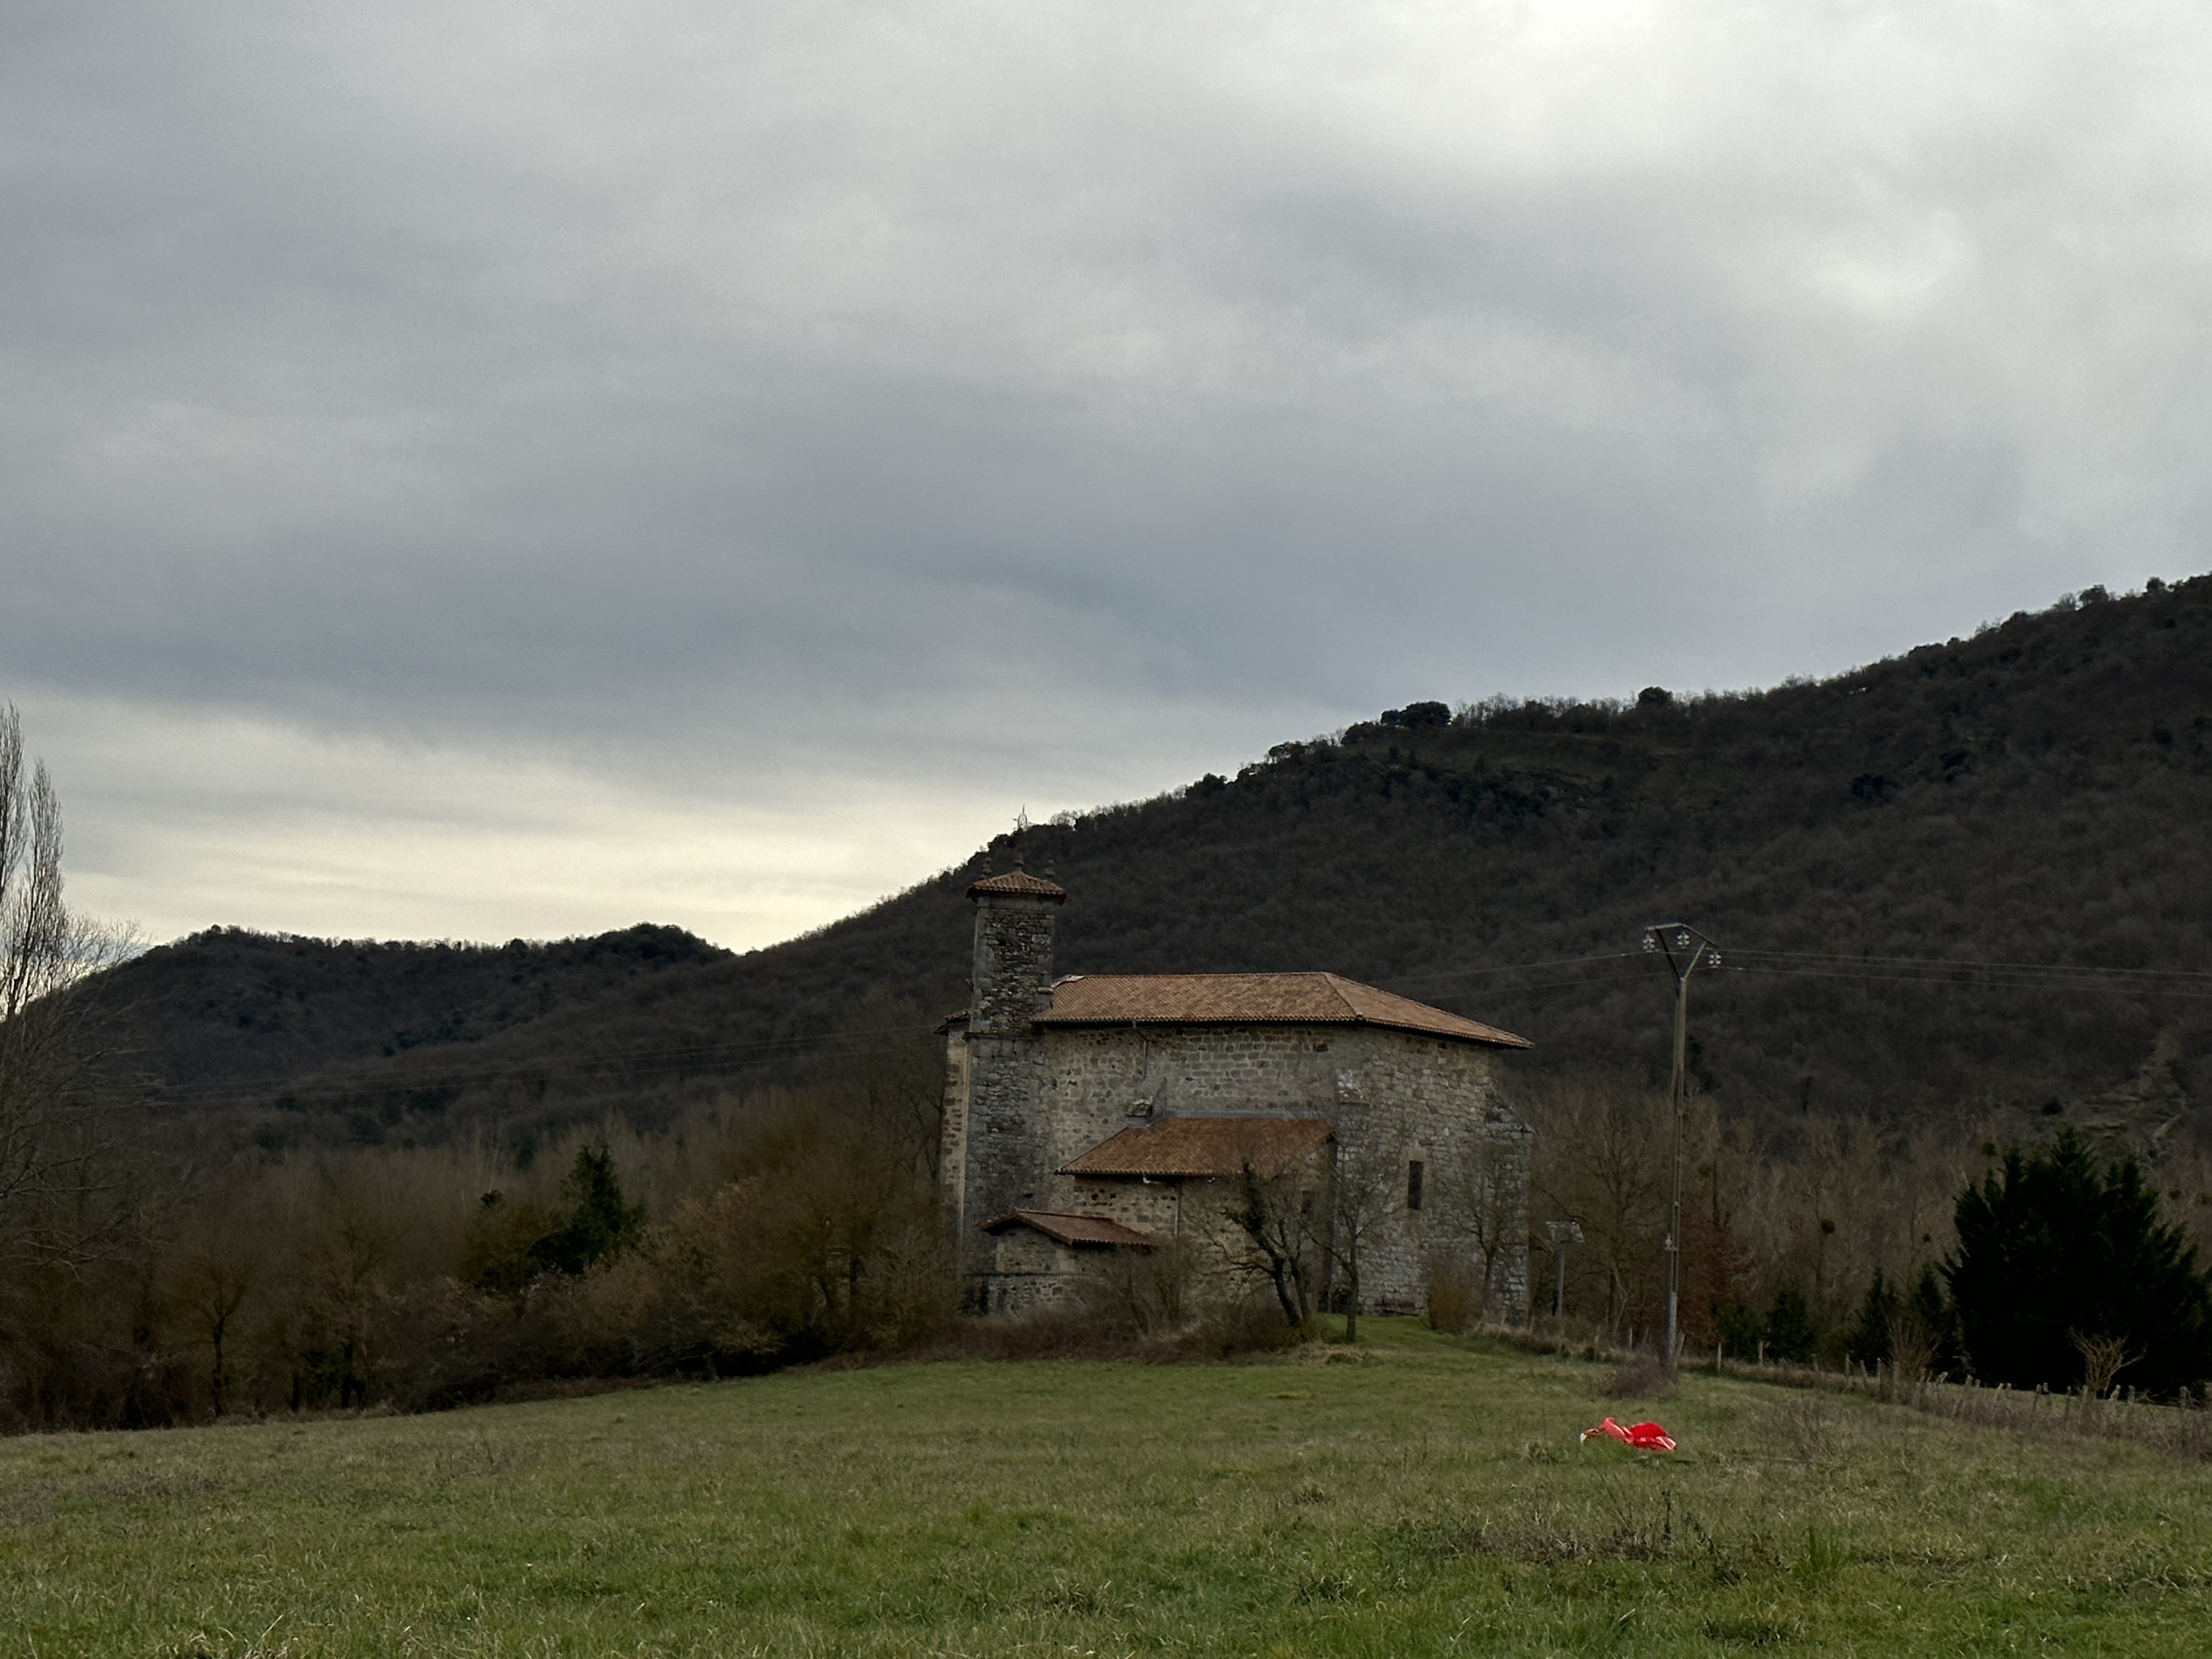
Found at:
(1430, 1497)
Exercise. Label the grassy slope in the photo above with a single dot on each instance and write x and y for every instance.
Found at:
(1432, 1499)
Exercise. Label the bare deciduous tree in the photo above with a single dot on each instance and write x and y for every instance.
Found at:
(1367, 1188)
(889, 1073)
(1482, 1207)
(213, 1273)
(1277, 1229)
(56, 1170)
(1601, 1163)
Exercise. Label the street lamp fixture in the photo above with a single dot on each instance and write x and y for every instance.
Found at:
(1561, 1234)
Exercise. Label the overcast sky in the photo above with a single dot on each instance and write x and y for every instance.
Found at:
(478, 469)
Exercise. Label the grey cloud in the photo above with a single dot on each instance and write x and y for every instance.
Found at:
(799, 385)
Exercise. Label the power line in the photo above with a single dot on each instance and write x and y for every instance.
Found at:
(622, 1055)
(1570, 984)
(1964, 961)
(621, 1065)
(1510, 968)
(2193, 988)
(717, 1056)
(753, 1055)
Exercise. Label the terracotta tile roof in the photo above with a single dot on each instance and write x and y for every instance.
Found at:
(1254, 999)
(1020, 883)
(1171, 1146)
(1073, 1229)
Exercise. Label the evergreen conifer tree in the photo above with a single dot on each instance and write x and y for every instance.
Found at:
(1936, 1322)
(2053, 1246)
(1790, 1333)
(1868, 1342)
(599, 1223)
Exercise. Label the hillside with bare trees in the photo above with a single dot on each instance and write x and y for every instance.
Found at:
(1974, 875)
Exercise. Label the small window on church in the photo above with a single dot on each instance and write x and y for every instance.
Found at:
(1413, 1185)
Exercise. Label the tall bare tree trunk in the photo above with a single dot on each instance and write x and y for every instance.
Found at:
(54, 1170)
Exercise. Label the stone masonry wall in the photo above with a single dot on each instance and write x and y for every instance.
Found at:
(953, 1131)
(1001, 1135)
(1404, 1098)
(1094, 1078)
(1394, 1098)
(1028, 1274)
(1197, 1216)
(1013, 966)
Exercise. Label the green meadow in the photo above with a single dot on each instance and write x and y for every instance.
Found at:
(1419, 1495)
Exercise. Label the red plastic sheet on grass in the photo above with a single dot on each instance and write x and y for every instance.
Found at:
(1644, 1436)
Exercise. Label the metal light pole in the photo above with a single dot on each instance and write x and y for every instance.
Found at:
(1562, 1234)
(1686, 949)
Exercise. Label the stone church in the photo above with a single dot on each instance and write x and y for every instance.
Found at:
(1100, 1119)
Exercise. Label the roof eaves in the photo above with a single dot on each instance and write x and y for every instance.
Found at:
(1067, 1228)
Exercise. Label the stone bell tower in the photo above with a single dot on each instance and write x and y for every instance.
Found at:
(1011, 981)
(994, 1155)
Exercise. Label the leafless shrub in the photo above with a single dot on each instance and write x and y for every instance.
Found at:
(1644, 1377)
(1224, 1330)
(1220, 1331)
(1802, 1428)
(2103, 1359)
(1140, 1293)
(1454, 1297)
(1913, 1350)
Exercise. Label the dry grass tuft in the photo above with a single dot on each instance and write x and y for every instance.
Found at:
(1644, 1377)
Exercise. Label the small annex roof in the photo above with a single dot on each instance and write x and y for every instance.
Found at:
(1073, 1229)
(1018, 883)
(1256, 1000)
(1174, 1146)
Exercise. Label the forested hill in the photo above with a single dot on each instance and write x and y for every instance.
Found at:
(2035, 796)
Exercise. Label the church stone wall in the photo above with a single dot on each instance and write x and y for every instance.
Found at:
(952, 1132)
(1403, 1099)
(1394, 1097)
(1008, 1140)
(1028, 1272)
(1093, 1077)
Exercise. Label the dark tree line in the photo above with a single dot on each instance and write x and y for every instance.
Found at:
(2063, 1273)
(2059, 1256)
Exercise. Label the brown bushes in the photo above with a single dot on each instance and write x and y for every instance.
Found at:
(1645, 1376)
(1454, 1298)
(780, 1230)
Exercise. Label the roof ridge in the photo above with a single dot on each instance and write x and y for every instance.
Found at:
(1311, 996)
(1224, 973)
(1017, 884)
(1336, 984)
